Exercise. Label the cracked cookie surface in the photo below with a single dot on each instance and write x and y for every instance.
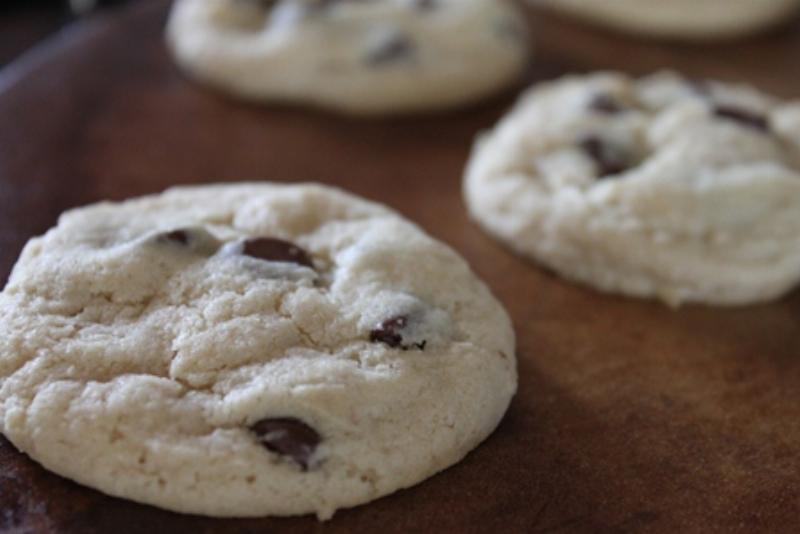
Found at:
(660, 187)
(355, 56)
(248, 350)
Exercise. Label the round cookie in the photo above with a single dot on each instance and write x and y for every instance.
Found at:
(355, 56)
(680, 19)
(661, 187)
(248, 350)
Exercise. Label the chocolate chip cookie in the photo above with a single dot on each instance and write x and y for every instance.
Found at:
(683, 190)
(680, 19)
(354, 56)
(248, 350)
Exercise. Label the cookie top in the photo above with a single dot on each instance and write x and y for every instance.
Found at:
(356, 56)
(680, 19)
(248, 350)
(683, 190)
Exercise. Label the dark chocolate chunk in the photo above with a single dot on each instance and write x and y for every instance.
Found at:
(395, 47)
(744, 117)
(178, 237)
(699, 87)
(607, 159)
(271, 249)
(261, 4)
(388, 331)
(288, 436)
(424, 5)
(193, 240)
(325, 4)
(603, 103)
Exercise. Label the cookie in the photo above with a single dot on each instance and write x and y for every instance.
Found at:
(354, 56)
(662, 187)
(679, 19)
(248, 350)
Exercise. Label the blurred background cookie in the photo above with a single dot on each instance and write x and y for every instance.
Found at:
(386, 56)
(679, 19)
(660, 187)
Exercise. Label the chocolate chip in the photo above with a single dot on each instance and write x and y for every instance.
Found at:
(607, 104)
(325, 4)
(744, 117)
(261, 4)
(395, 47)
(178, 237)
(288, 436)
(699, 87)
(424, 5)
(189, 240)
(388, 331)
(607, 159)
(271, 249)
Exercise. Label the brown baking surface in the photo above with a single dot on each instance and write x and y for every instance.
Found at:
(630, 417)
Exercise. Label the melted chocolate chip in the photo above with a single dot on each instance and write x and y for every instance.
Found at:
(271, 249)
(699, 87)
(261, 4)
(178, 237)
(424, 5)
(326, 4)
(194, 240)
(288, 437)
(388, 331)
(607, 160)
(743, 116)
(395, 47)
(603, 103)
(266, 5)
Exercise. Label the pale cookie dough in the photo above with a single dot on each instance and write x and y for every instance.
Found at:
(356, 56)
(248, 350)
(680, 19)
(662, 187)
